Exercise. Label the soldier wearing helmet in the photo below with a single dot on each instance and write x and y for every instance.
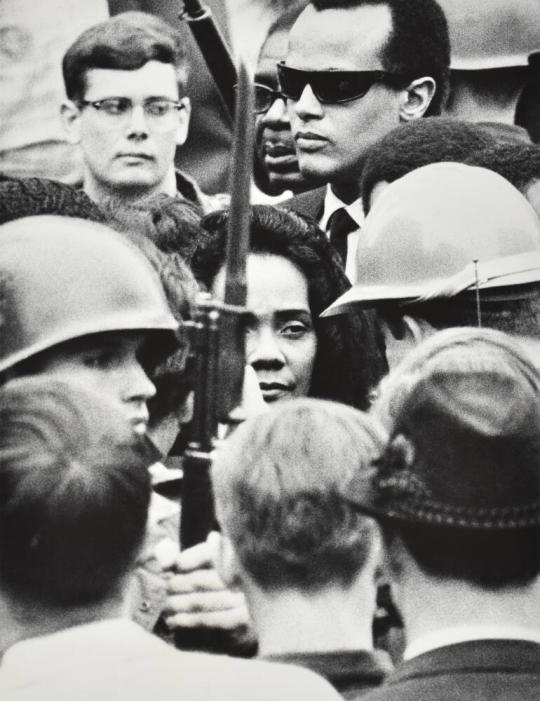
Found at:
(79, 300)
(448, 245)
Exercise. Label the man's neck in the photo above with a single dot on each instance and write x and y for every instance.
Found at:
(21, 621)
(294, 622)
(99, 191)
(486, 97)
(347, 192)
(428, 605)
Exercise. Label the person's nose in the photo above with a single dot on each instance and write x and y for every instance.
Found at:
(263, 349)
(137, 125)
(308, 106)
(136, 385)
(277, 116)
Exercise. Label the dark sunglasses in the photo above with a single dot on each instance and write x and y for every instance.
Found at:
(264, 97)
(330, 87)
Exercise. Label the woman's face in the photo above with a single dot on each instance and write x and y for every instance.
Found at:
(281, 341)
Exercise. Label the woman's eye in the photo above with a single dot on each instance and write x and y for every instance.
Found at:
(294, 329)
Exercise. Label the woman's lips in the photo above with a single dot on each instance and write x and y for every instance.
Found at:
(274, 391)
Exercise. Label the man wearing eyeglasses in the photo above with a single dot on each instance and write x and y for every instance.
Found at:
(355, 70)
(126, 108)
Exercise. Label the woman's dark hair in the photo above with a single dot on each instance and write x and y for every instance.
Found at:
(350, 358)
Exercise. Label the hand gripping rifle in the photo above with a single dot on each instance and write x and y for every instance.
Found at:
(218, 338)
(213, 48)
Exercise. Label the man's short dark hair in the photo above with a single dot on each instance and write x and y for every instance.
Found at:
(74, 494)
(518, 163)
(125, 42)
(278, 488)
(418, 143)
(419, 43)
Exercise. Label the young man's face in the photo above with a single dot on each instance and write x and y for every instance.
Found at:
(109, 364)
(133, 153)
(332, 139)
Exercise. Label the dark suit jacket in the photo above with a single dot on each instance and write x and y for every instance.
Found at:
(352, 672)
(479, 670)
(310, 203)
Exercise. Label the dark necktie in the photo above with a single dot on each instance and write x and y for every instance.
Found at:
(340, 226)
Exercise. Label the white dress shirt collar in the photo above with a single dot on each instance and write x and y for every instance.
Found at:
(333, 203)
(356, 211)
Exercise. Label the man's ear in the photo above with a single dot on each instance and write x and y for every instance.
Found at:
(416, 98)
(70, 115)
(227, 563)
(184, 116)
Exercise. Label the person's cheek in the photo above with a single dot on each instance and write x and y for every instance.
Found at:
(302, 361)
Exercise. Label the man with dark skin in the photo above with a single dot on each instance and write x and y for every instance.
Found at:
(354, 70)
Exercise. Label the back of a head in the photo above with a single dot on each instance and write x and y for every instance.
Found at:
(518, 163)
(28, 197)
(277, 485)
(418, 45)
(124, 42)
(416, 144)
(74, 494)
(171, 223)
(459, 479)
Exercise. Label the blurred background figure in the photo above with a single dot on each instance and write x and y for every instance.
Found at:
(276, 163)
(491, 42)
(528, 109)
(33, 39)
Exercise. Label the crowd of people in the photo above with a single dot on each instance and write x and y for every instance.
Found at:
(376, 489)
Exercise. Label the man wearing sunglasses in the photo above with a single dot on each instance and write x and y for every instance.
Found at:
(126, 108)
(354, 70)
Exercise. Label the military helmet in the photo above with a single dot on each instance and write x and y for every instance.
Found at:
(492, 33)
(440, 230)
(62, 278)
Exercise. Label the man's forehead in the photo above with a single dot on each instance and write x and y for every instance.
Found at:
(153, 79)
(343, 39)
(273, 50)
